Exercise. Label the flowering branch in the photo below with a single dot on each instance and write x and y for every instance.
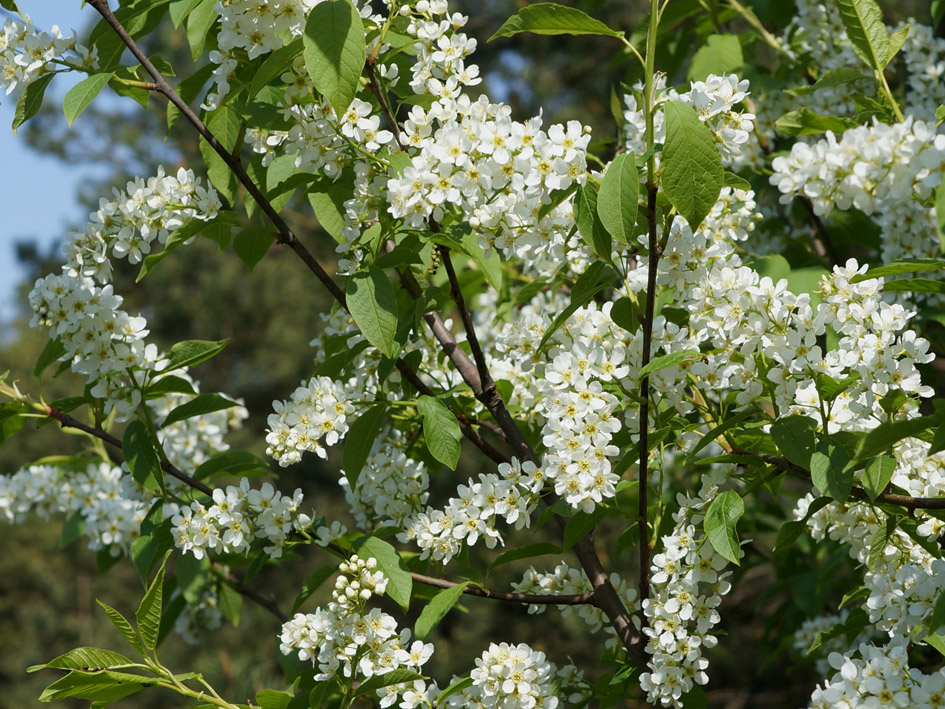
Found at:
(67, 421)
(906, 501)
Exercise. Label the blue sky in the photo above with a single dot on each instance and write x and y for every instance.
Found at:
(37, 193)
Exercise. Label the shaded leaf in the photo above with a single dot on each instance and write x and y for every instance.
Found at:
(692, 172)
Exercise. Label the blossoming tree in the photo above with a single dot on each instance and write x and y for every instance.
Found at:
(678, 352)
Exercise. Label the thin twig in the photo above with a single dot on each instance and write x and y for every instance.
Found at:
(381, 96)
(268, 603)
(575, 599)
(66, 421)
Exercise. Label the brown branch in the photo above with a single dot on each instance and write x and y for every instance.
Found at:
(647, 326)
(240, 587)
(891, 498)
(381, 96)
(575, 599)
(66, 421)
(485, 390)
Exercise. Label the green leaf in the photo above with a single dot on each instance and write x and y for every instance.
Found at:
(525, 552)
(440, 430)
(721, 54)
(313, 583)
(72, 529)
(251, 245)
(624, 314)
(864, 24)
(673, 359)
(713, 433)
(915, 285)
(437, 609)
(551, 18)
(180, 9)
(877, 474)
(580, 525)
(188, 353)
(617, 200)
(829, 472)
(31, 100)
(272, 699)
(491, 267)
(585, 287)
(155, 540)
(359, 440)
(736, 182)
(230, 602)
(691, 163)
(234, 462)
(720, 524)
(589, 224)
(86, 658)
(198, 406)
(794, 437)
(937, 11)
(373, 305)
(82, 94)
(199, 22)
(937, 618)
(457, 686)
(275, 65)
(103, 686)
(141, 458)
(226, 124)
(829, 79)
(334, 51)
(52, 352)
(399, 581)
(896, 40)
(124, 627)
(881, 439)
(148, 614)
(376, 682)
(803, 121)
(11, 6)
(896, 268)
(169, 384)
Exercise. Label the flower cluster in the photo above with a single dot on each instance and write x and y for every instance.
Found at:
(565, 580)
(79, 306)
(110, 508)
(510, 495)
(346, 639)
(440, 68)
(318, 409)
(497, 172)
(238, 516)
(881, 676)
(27, 54)
(866, 167)
(102, 341)
(391, 488)
(509, 677)
(686, 588)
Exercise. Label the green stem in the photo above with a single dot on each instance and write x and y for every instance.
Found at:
(887, 92)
